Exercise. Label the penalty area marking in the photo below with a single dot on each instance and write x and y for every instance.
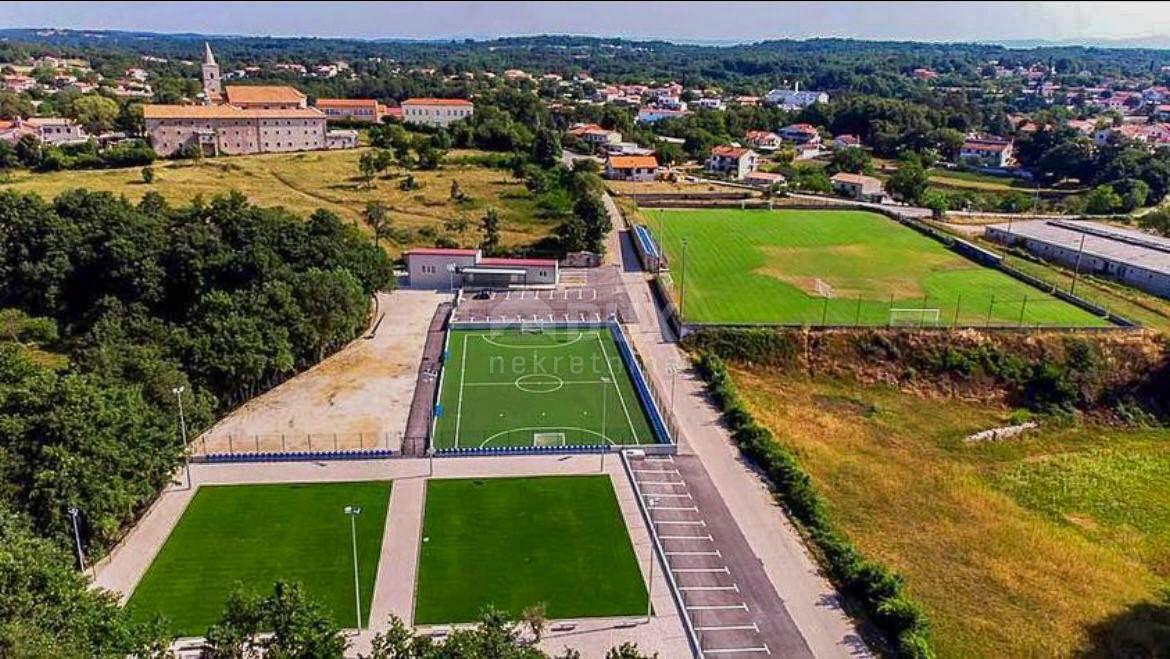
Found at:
(535, 429)
(575, 339)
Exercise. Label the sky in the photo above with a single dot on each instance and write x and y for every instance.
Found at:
(711, 21)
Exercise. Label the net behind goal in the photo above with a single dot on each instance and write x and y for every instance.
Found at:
(823, 288)
(548, 439)
(914, 317)
(531, 328)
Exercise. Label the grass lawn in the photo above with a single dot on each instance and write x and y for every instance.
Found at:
(254, 535)
(754, 266)
(304, 182)
(1052, 544)
(504, 387)
(514, 542)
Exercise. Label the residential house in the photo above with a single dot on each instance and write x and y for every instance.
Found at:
(733, 161)
(709, 103)
(749, 101)
(631, 168)
(801, 134)
(436, 111)
(847, 141)
(986, 152)
(764, 179)
(924, 74)
(56, 130)
(858, 186)
(19, 83)
(341, 139)
(763, 140)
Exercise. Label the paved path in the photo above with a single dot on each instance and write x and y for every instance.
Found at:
(729, 600)
(394, 586)
(811, 601)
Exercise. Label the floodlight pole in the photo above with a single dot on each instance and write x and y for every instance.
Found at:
(353, 512)
(1077, 268)
(73, 513)
(682, 295)
(650, 574)
(604, 410)
(178, 391)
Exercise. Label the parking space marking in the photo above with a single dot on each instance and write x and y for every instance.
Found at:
(682, 522)
(732, 587)
(718, 607)
(706, 570)
(728, 628)
(758, 650)
(694, 553)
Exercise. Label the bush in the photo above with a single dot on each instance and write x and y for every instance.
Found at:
(878, 591)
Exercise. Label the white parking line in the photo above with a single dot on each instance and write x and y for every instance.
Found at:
(694, 553)
(718, 607)
(732, 587)
(692, 509)
(707, 570)
(728, 628)
(654, 471)
(686, 537)
(655, 496)
(738, 650)
(682, 522)
(661, 483)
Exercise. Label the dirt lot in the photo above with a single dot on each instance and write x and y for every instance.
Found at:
(358, 398)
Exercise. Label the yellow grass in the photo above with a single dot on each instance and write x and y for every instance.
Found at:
(304, 182)
(997, 579)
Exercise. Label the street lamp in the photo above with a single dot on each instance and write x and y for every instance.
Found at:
(682, 295)
(178, 392)
(353, 512)
(650, 573)
(73, 513)
(604, 410)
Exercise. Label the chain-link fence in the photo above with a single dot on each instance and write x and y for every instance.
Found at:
(233, 444)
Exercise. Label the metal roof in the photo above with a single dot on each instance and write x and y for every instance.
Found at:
(1101, 241)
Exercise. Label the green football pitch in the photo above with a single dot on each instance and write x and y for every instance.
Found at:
(515, 542)
(839, 268)
(256, 535)
(524, 388)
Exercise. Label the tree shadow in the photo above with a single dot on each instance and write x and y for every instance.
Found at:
(1142, 630)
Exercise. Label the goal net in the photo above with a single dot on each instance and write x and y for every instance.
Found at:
(531, 328)
(914, 317)
(823, 288)
(548, 439)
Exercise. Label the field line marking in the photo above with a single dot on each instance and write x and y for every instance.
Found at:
(621, 397)
(580, 335)
(462, 374)
(544, 429)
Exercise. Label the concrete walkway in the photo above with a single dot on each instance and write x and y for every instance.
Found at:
(398, 566)
(810, 599)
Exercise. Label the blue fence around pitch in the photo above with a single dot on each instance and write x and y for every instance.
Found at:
(657, 423)
(295, 456)
(521, 450)
(646, 239)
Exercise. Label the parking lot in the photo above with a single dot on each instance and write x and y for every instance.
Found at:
(584, 295)
(729, 601)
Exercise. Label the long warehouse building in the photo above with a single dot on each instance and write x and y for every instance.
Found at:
(1132, 257)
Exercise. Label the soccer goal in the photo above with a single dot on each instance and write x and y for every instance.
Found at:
(528, 327)
(914, 317)
(548, 439)
(823, 288)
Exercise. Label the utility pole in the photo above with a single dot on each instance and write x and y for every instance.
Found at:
(178, 391)
(604, 410)
(1077, 268)
(353, 512)
(682, 295)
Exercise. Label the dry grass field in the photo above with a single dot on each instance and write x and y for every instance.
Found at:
(304, 182)
(1053, 544)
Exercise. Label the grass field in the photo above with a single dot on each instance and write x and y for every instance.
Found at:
(515, 542)
(304, 182)
(1053, 544)
(504, 387)
(254, 535)
(764, 267)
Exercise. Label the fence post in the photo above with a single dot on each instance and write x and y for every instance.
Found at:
(310, 436)
(256, 442)
(282, 444)
(334, 441)
(824, 311)
(958, 305)
(922, 313)
(890, 311)
(1023, 307)
(361, 441)
(231, 448)
(989, 308)
(857, 316)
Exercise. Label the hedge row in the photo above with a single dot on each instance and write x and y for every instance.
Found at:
(873, 587)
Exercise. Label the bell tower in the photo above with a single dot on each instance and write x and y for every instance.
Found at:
(211, 83)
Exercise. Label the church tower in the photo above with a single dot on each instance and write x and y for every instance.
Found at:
(211, 83)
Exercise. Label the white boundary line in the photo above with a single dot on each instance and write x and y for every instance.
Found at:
(576, 339)
(621, 397)
(462, 375)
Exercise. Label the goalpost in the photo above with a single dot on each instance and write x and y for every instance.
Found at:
(530, 327)
(911, 317)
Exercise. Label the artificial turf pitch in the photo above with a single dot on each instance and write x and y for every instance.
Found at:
(519, 388)
(255, 535)
(511, 543)
(755, 266)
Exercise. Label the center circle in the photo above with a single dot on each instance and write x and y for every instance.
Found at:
(539, 383)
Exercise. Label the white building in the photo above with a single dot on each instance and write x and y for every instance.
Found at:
(858, 186)
(468, 268)
(436, 111)
(989, 152)
(631, 168)
(56, 130)
(735, 161)
(795, 99)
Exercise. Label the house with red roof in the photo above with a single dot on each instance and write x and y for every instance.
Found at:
(801, 133)
(764, 140)
(986, 152)
(631, 168)
(734, 161)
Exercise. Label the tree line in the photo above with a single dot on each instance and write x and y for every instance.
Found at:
(110, 306)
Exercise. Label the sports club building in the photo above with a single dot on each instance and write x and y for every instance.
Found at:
(467, 268)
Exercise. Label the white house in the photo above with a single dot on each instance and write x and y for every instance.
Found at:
(735, 161)
(986, 152)
(654, 115)
(801, 133)
(857, 186)
(631, 168)
(763, 140)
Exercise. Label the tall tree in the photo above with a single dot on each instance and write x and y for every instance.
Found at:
(490, 226)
